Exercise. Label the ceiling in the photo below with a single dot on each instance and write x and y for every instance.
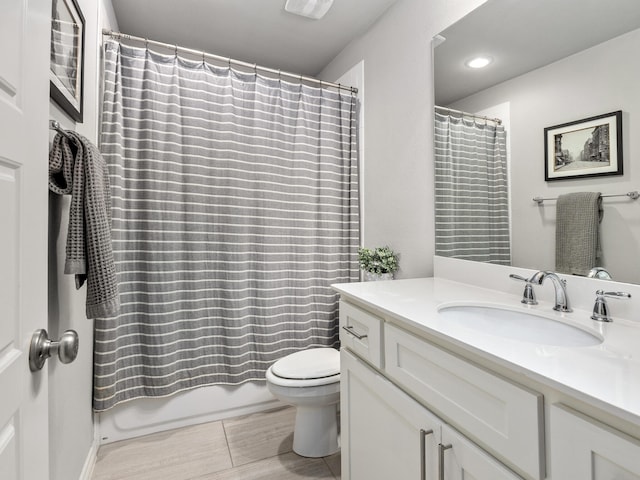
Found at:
(521, 36)
(254, 31)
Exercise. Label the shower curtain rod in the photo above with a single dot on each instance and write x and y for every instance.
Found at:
(228, 60)
(467, 114)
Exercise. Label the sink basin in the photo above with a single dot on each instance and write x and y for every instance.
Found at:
(518, 325)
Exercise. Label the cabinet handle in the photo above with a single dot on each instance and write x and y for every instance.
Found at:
(423, 454)
(349, 328)
(441, 450)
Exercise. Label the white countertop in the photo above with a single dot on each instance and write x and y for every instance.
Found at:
(606, 376)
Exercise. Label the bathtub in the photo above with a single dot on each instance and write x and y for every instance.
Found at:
(206, 404)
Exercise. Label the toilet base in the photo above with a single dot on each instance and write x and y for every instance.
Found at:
(316, 431)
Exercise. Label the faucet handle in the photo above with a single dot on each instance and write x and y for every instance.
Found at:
(528, 296)
(601, 309)
(613, 294)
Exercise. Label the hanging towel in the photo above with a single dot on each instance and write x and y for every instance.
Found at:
(578, 217)
(77, 168)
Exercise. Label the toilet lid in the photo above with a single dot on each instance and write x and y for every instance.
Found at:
(308, 364)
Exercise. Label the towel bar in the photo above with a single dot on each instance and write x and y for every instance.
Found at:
(632, 195)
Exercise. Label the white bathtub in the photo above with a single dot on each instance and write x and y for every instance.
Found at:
(206, 404)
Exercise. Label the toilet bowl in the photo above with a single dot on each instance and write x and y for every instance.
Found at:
(310, 381)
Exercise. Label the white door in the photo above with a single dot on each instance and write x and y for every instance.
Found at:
(24, 107)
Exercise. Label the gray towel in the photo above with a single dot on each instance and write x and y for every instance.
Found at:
(77, 168)
(578, 217)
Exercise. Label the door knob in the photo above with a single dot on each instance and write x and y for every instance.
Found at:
(42, 348)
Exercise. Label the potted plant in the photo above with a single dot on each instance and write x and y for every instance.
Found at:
(378, 263)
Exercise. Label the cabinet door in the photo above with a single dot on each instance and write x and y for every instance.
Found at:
(385, 434)
(463, 460)
(504, 417)
(584, 448)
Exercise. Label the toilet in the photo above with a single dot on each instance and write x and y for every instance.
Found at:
(310, 381)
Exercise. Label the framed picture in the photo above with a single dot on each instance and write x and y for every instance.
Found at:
(585, 148)
(67, 57)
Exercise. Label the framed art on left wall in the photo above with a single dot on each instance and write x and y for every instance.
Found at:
(67, 57)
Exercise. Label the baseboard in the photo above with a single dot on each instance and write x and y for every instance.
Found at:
(92, 454)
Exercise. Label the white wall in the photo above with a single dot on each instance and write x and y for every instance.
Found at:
(398, 138)
(599, 80)
(71, 429)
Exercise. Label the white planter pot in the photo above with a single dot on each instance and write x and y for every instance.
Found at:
(372, 277)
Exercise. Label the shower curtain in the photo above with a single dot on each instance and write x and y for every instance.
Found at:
(471, 192)
(235, 207)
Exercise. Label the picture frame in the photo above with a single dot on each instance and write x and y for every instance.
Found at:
(591, 147)
(67, 57)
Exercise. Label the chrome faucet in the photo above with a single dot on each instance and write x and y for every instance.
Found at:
(599, 272)
(562, 301)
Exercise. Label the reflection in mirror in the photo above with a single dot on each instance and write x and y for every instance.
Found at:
(551, 63)
(471, 188)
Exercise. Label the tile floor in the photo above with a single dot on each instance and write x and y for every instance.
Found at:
(252, 447)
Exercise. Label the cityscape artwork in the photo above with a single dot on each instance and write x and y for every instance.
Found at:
(584, 148)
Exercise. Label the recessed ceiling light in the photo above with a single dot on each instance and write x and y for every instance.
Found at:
(315, 9)
(478, 62)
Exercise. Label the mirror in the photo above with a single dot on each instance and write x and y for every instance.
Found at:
(552, 63)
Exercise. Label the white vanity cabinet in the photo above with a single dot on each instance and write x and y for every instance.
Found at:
(498, 408)
(585, 448)
(386, 434)
(504, 417)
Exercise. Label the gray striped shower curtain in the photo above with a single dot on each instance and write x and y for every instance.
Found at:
(235, 207)
(471, 191)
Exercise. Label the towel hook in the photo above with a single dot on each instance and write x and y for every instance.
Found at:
(55, 125)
